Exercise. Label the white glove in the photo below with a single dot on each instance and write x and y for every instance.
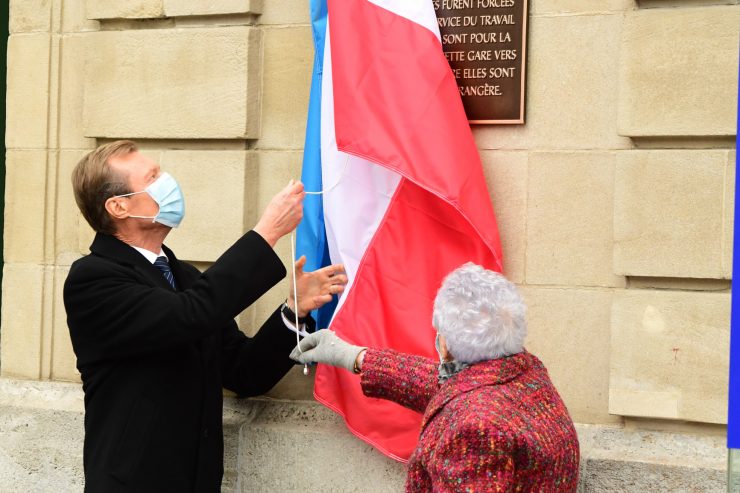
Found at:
(324, 346)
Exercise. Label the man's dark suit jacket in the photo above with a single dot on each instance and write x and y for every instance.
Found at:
(154, 361)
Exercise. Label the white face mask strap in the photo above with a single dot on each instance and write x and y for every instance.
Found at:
(143, 217)
(128, 194)
(131, 215)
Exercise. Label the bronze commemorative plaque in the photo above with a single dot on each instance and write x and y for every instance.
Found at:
(485, 42)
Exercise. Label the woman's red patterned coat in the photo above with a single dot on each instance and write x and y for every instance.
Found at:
(496, 426)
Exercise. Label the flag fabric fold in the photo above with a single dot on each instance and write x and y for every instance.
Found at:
(311, 235)
(406, 199)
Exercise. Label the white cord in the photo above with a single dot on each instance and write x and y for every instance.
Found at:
(292, 256)
(295, 299)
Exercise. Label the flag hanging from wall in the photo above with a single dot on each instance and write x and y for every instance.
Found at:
(405, 198)
(733, 420)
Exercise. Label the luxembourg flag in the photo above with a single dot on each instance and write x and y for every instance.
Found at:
(405, 201)
(733, 420)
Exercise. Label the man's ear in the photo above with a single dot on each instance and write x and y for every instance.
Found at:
(117, 207)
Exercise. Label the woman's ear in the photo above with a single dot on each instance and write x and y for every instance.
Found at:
(117, 207)
(443, 351)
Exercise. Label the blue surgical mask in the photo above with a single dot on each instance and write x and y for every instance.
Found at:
(167, 194)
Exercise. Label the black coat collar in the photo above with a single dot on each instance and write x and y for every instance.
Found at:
(112, 248)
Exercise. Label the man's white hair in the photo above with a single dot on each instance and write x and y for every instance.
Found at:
(480, 314)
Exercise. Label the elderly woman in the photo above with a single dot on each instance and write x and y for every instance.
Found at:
(493, 420)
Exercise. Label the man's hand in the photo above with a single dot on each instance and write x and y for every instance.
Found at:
(316, 288)
(282, 214)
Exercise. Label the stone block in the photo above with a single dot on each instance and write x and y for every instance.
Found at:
(85, 235)
(669, 355)
(569, 332)
(27, 101)
(25, 206)
(619, 476)
(668, 213)
(571, 87)
(220, 193)
(287, 67)
(570, 219)
(29, 394)
(625, 461)
(173, 8)
(47, 320)
(274, 446)
(579, 6)
(661, 4)
(42, 426)
(53, 118)
(285, 12)
(29, 15)
(67, 215)
(191, 83)
(41, 450)
(72, 70)
(63, 359)
(21, 335)
(728, 226)
(74, 18)
(678, 72)
(506, 176)
(130, 9)
(294, 386)
(276, 170)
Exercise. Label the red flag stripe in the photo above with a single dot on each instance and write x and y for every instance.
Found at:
(396, 104)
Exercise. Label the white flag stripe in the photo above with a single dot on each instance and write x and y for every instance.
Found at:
(419, 11)
(353, 209)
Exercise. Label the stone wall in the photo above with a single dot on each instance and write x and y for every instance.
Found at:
(217, 91)
(296, 445)
(615, 200)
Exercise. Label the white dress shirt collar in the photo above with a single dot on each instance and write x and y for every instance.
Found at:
(149, 255)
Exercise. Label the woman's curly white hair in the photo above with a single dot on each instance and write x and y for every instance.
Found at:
(480, 314)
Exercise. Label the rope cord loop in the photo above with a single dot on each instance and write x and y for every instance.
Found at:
(295, 299)
(293, 260)
(341, 175)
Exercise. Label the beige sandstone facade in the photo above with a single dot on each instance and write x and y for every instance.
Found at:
(615, 200)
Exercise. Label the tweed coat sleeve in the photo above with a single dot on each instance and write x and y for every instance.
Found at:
(405, 379)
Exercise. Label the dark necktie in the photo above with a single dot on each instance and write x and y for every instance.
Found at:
(162, 264)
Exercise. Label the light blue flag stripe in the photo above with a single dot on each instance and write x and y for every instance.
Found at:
(311, 238)
(733, 424)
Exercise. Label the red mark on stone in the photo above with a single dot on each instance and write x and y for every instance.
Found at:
(675, 353)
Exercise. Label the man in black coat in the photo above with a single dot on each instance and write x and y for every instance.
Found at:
(156, 340)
